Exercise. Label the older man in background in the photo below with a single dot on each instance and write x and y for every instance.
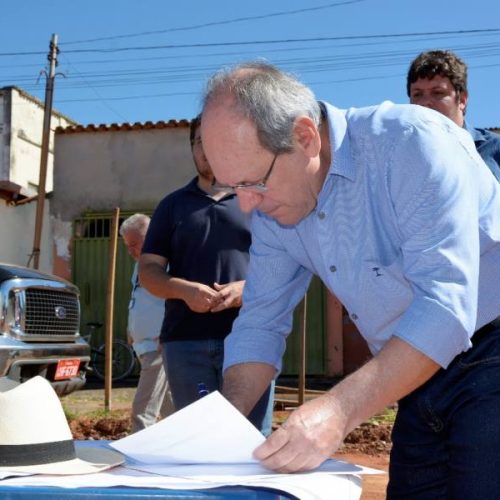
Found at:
(152, 398)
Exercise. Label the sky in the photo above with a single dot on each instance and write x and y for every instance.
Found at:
(130, 61)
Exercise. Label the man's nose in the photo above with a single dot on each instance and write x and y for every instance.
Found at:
(248, 200)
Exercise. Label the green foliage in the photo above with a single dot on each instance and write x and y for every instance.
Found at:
(94, 413)
(386, 417)
(70, 414)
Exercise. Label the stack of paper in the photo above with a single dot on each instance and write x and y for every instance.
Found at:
(212, 442)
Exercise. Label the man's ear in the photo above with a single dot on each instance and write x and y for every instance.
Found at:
(306, 136)
(462, 101)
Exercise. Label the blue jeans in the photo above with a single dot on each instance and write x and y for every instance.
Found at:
(193, 361)
(446, 438)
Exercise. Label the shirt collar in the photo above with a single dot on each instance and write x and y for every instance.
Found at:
(476, 134)
(340, 147)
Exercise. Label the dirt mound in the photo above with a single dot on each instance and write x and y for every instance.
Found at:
(110, 428)
(369, 438)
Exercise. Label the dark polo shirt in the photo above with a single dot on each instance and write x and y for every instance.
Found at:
(203, 240)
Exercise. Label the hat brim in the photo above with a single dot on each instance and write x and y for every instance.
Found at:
(89, 460)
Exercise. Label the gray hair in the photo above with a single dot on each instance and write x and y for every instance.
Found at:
(138, 223)
(270, 98)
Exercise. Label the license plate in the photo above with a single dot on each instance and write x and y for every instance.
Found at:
(67, 368)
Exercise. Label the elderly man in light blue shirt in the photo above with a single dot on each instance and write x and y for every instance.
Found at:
(152, 400)
(393, 208)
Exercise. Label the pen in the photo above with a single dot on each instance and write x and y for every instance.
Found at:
(202, 390)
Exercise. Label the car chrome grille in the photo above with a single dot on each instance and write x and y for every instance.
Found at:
(51, 312)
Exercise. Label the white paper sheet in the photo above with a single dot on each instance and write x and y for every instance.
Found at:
(210, 430)
(228, 472)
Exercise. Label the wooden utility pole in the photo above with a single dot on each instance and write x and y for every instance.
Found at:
(302, 319)
(110, 301)
(47, 115)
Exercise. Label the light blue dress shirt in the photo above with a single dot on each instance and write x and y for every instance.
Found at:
(406, 233)
(145, 317)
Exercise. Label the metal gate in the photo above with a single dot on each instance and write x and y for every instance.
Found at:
(90, 273)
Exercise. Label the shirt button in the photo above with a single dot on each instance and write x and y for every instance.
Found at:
(333, 269)
(322, 215)
(354, 317)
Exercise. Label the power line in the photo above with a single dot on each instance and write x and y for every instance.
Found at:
(217, 23)
(131, 97)
(263, 42)
(240, 53)
(347, 59)
(117, 113)
(316, 83)
(287, 40)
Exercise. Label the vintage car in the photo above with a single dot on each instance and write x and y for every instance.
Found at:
(40, 330)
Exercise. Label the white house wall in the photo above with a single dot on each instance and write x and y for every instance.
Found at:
(18, 229)
(26, 141)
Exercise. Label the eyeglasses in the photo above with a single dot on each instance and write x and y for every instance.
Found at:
(258, 187)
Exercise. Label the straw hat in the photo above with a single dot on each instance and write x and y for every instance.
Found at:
(35, 436)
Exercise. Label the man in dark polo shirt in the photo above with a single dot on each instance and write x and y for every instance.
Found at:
(203, 238)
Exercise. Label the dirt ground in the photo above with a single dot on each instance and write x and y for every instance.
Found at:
(88, 418)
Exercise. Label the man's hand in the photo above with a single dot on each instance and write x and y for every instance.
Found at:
(315, 430)
(229, 295)
(200, 298)
(309, 436)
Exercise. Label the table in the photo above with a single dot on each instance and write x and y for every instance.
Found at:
(134, 482)
(225, 493)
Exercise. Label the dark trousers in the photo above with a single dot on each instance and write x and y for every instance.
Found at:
(446, 437)
(191, 362)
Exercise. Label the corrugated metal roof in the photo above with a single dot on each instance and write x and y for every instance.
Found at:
(122, 127)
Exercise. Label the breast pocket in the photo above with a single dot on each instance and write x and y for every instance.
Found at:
(386, 289)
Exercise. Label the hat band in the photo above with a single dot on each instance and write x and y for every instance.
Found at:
(37, 454)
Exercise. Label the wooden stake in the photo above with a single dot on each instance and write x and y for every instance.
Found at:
(302, 359)
(110, 299)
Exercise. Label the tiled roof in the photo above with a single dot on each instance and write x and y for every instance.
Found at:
(122, 127)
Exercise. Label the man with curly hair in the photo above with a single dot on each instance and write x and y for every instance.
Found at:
(437, 79)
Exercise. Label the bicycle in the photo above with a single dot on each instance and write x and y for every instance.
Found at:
(124, 358)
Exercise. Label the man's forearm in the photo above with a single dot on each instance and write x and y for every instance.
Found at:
(316, 429)
(158, 282)
(245, 383)
(395, 372)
